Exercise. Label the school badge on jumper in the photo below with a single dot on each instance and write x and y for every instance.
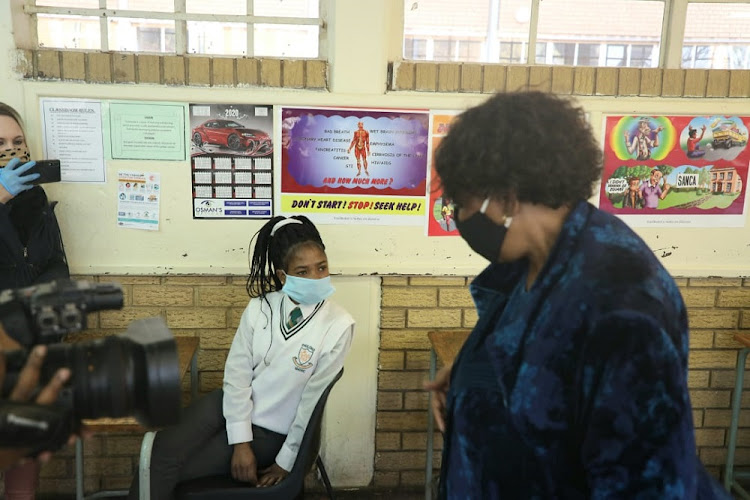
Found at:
(303, 357)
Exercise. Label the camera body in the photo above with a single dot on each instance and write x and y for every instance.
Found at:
(134, 373)
(44, 314)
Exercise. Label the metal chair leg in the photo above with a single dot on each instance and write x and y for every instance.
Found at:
(736, 403)
(324, 476)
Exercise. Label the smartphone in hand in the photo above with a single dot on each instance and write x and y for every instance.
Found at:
(48, 170)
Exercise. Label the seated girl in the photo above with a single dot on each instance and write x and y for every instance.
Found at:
(290, 344)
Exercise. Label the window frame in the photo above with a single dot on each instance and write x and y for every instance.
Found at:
(180, 18)
(669, 46)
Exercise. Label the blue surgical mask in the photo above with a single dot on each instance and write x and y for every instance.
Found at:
(307, 291)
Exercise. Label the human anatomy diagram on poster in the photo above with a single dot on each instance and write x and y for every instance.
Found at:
(231, 160)
(676, 170)
(354, 166)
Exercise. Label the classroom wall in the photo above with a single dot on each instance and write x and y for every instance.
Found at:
(423, 280)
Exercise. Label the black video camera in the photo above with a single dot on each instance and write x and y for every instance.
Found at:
(133, 373)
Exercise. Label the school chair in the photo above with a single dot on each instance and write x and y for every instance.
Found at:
(292, 487)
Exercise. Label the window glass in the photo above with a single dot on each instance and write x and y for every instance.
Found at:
(143, 5)
(217, 38)
(442, 50)
(469, 30)
(717, 36)
(512, 52)
(415, 48)
(287, 8)
(578, 33)
(286, 40)
(141, 35)
(68, 32)
(588, 54)
(225, 7)
(82, 4)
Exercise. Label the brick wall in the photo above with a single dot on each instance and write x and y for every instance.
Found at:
(209, 307)
(412, 306)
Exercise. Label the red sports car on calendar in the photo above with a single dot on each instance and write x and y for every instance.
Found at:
(234, 136)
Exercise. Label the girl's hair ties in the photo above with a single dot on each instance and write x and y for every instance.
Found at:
(282, 223)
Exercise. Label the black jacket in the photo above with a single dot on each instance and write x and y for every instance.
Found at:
(31, 247)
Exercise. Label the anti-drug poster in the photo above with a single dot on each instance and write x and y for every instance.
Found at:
(354, 166)
(688, 171)
(231, 161)
(138, 195)
(440, 219)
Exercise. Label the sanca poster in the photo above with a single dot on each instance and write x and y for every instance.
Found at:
(676, 170)
(354, 166)
(440, 220)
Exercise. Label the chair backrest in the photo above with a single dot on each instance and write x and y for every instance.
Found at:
(310, 445)
(225, 488)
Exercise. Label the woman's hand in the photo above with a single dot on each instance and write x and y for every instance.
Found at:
(244, 467)
(12, 179)
(439, 388)
(272, 475)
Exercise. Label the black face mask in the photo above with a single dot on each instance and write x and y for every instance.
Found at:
(482, 234)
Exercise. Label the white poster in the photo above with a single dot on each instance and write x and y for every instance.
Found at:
(138, 200)
(72, 133)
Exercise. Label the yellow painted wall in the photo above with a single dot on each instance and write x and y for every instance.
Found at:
(363, 37)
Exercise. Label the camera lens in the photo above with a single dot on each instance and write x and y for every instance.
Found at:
(135, 373)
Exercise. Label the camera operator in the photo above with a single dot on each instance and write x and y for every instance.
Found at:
(24, 390)
(31, 248)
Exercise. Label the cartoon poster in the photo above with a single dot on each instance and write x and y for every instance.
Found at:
(138, 200)
(354, 166)
(440, 220)
(231, 161)
(676, 170)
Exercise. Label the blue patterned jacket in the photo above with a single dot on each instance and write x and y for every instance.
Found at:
(576, 388)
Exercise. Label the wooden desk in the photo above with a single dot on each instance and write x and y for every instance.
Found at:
(730, 475)
(187, 350)
(445, 345)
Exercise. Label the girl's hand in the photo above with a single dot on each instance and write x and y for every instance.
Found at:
(439, 388)
(271, 475)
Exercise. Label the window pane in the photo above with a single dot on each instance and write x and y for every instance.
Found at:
(81, 4)
(68, 32)
(141, 35)
(722, 31)
(616, 55)
(442, 50)
(226, 7)
(588, 54)
(415, 48)
(589, 24)
(512, 52)
(147, 5)
(286, 40)
(563, 53)
(489, 29)
(217, 38)
(287, 8)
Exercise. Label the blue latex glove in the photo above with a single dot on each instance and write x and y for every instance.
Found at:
(12, 178)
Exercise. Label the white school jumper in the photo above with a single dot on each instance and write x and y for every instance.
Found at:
(274, 376)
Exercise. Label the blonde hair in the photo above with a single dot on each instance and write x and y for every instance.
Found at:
(6, 110)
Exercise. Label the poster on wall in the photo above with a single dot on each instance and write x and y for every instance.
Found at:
(72, 133)
(146, 131)
(231, 160)
(440, 220)
(688, 171)
(354, 166)
(138, 195)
